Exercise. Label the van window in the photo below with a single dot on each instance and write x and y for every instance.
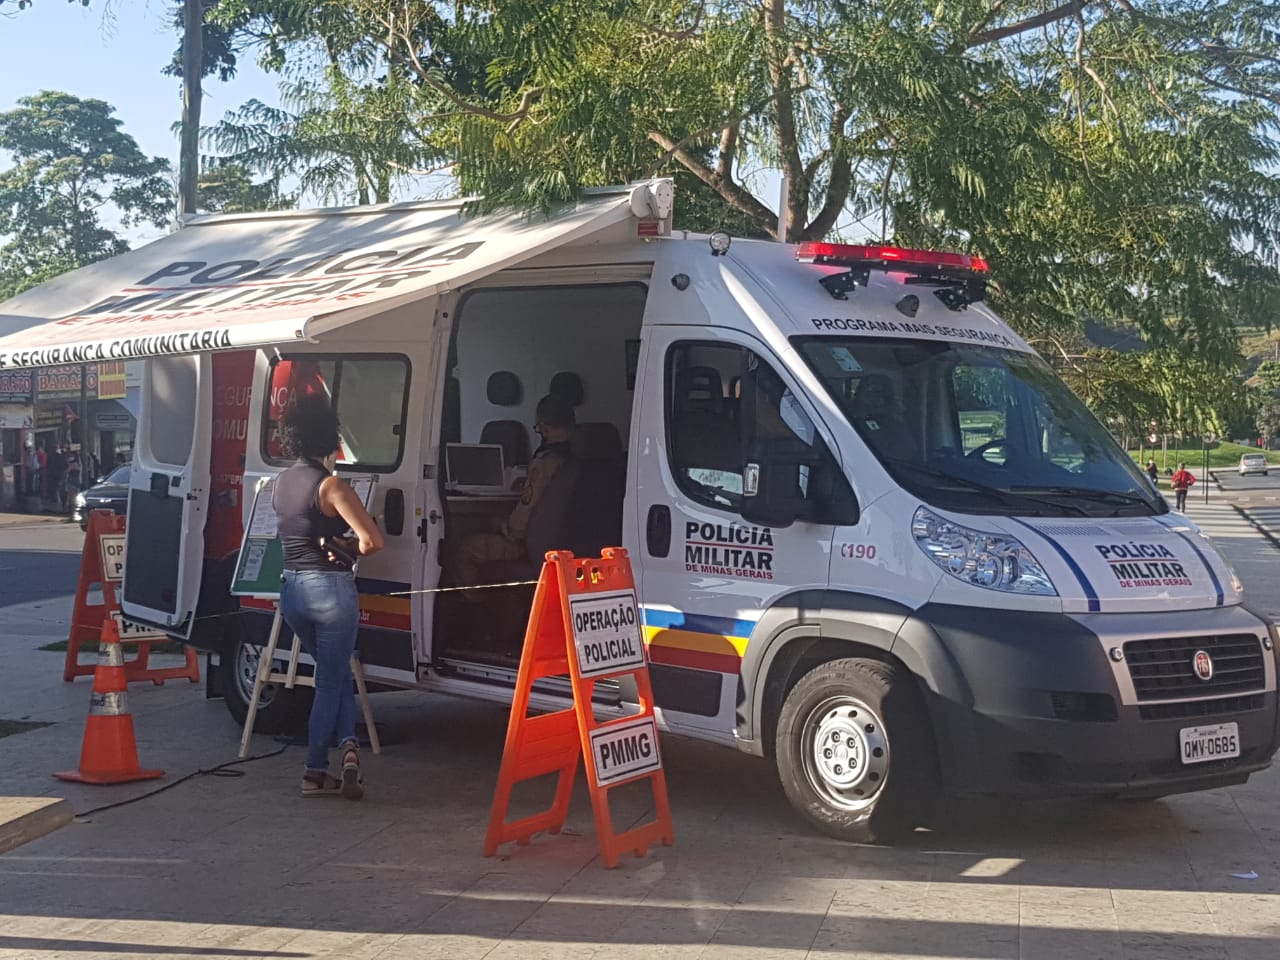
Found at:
(370, 394)
(172, 393)
(979, 429)
(726, 407)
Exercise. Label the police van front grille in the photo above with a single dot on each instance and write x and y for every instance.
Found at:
(1163, 668)
(1182, 709)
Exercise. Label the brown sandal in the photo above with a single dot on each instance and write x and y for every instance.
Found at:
(352, 786)
(320, 785)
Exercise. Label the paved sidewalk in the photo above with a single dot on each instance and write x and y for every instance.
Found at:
(240, 868)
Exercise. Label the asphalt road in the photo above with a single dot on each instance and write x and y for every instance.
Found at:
(1253, 488)
(39, 563)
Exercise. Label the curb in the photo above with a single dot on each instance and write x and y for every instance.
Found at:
(23, 819)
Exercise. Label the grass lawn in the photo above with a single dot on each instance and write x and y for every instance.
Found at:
(91, 646)
(1220, 456)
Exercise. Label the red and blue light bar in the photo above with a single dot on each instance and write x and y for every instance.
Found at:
(890, 258)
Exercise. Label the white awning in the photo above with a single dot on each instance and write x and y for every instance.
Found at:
(250, 280)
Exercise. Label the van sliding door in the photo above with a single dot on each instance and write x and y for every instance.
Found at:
(169, 493)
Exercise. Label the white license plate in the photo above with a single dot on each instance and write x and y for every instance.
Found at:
(1200, 744)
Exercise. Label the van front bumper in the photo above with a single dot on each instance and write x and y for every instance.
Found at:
(1034, 703)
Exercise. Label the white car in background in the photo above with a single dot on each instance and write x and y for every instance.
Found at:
(1253, 463)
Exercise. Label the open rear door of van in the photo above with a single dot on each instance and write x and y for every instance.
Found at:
(169, 493)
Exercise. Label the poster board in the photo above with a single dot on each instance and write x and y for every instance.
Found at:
(261, 559)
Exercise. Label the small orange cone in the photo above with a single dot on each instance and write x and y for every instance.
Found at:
(109, 753)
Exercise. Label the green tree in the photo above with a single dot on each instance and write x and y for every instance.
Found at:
(74, 171)
(1113, 158)
(229, 188)
(1268, 376)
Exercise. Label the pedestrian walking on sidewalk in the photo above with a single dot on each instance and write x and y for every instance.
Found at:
(318, 598)
(1154, 473)
(1181, 482)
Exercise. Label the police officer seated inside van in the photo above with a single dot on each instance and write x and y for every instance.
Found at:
(555, 423)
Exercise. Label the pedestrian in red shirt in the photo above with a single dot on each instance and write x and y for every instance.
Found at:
(1181, 482)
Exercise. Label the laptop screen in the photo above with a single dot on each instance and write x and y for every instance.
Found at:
(474, 464)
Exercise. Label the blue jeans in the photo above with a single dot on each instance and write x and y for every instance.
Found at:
(322, 608)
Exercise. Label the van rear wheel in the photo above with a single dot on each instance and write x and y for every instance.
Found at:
(279, 710)
(854, 752)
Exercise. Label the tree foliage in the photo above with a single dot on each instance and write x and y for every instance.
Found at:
(74, 172)
(229, 188)
(1114, 159)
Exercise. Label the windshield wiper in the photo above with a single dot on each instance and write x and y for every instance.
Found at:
(1004, 496)
(1086, 493)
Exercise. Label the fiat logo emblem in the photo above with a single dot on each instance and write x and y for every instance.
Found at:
(1202, 664)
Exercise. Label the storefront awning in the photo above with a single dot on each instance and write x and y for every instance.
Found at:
(250, 280)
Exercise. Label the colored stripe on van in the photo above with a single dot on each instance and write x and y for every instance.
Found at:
(383, 613)
(1217, 585)
(696, 641)
(1094, 605)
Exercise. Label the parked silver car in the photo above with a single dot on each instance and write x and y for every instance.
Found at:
(1253, 463)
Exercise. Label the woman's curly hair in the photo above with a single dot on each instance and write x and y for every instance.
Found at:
(310, 428)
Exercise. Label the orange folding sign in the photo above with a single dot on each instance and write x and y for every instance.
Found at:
(584, 623)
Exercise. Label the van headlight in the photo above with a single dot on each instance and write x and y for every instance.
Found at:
(80, 500)
(991, 560)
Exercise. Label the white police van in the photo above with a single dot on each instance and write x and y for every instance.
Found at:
(876, 539)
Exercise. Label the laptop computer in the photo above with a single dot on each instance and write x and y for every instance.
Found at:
(475, 468)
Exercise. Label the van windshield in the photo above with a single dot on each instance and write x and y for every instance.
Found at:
(979, 429)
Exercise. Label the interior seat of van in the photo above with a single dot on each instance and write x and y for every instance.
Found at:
(707, 438)
(580, 511)
(879, 418)
(504, 390)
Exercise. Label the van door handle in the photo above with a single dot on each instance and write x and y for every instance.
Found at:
(657, 530)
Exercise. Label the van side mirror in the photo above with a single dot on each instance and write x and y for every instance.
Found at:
(768, 498)
(780, 489)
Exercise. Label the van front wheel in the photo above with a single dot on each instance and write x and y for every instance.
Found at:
(854, 752)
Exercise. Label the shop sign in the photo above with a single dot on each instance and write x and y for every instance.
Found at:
(112, 383)
(50, 418)
(15, 418)
(112, 421)
(15, 386)
(63, 383)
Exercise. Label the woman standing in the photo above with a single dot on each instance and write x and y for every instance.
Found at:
(318, 599)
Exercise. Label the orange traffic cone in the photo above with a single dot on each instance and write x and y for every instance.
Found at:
(109, 753)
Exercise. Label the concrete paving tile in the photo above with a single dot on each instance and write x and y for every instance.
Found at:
(745, 927)
(926, 936)
(674, 930)
(854, 896)
(438, 946)
(720, 951)
(1159, 903)
(1245, 904)
(952, 890)
(1067, 898)
(514, 948)
(320, 944)
(791, 892)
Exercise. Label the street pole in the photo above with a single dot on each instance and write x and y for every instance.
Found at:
(1208, 438)
(84, 410)
(192, 67)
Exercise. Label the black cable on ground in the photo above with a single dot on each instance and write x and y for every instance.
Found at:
(221, 770)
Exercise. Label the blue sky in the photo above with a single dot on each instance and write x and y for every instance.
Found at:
(114, 52)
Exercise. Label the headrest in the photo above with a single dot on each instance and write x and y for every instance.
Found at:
(700, 388)
(596, 441)
(874, 396)
(568, 387)
(503, 389)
